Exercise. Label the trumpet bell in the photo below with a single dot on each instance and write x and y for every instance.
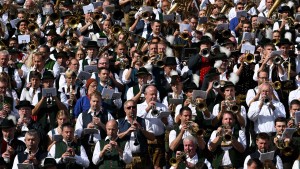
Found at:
(73, 22)
(33, 27)
(277, 60)
(2, 46)
(249, 58)
(277, 85)
(184, 36)
(74, 42)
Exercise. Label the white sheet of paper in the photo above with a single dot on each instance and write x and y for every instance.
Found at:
(241, 13)
(49, 92)
(47, 11)
(14, 22)
(199, 93)
(288, 133)
(88, 8)
(168, 17)
(83, 75)
(262, 19)
(267, 156)
(116, 95)
(275, 53)
(185, 27)
(297, 117)
(22, 39)
(97, 4)
(107, 93)
(247, 36)
(90, 68)
(175, 101)
(102, 42)
(297, 17)
(202, 20)
(25, 166)
(163, 114)
(109, 8)
(246, 48)
(90, 131)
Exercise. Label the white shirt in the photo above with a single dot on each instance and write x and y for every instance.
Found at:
(15, 77)
(130, 144)
(28, 94)
(173, 135)
(295, 94)
(252, 92)
(80, 160)
(276, 26)
(279, 164)
(194, 160)
(79, 124)
(16, 160)
(64, 94)
(264, 118)
(226, 159)
(282, 77)
(157, 124)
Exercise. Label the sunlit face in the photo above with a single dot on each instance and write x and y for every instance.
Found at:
(229, 92)
(111, 129)
(95, 102)
(186, 116)
(74, 65)
(104, 75)
(246, 28)
(62, 119)
(151, 94)
(228, 119)
(3, 60)
(130, 109)
(280, 127)
(3, 87)
(92, 87)
(262, 144)
(31, 142)
(68, 133)
(293, 109)
(189, 148)
(156, 27)
(103, 63)
(266, 90)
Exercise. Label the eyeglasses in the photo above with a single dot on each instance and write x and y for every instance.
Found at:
(131, 107)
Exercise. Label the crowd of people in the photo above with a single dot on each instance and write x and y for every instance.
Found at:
(150, 84)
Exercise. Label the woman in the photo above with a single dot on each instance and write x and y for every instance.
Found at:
(61, 118)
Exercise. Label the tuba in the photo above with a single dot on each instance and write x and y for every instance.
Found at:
(274, 7)
(227, 6)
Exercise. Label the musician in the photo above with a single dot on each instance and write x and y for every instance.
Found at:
(264, 111)
(180, 132)
(91, 58)
(136, 130)
(108, 153)
(61, 118)
(229, 98)
(49, 63)
(193, 156)
(47, 106)
(293, 108)
(254, 94)
(136, 93)
(15, 79)
(156, 30)
(263, 146)
(68, 148)
(287, 159)
(235, 22)
(177, 92)
(282, 25)
(254, 164)
(32, 88)
(58, 46)
(32, 154)
(72, 66)
(228, 154)
(147, 110)
(88, 27)
(10, 146)
(142, 25)
(8, 102)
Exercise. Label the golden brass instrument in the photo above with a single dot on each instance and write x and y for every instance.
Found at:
(277, 60)
(249, 58)
(249, 5)
(140, 42)
(33, 27)
(73, 21)
(276, 85)
(32, 45)
(200, 104)
(205, 52)
(74, 42)
(284, 146)
(194, 129)
(2, 46)
(231, 105)
(154, 111)
(123, 62)
(3, 8)
(226, 136)
(145, 59)
(97, 16)
(227, 6)
(184, 35)
(295, 125)
(116, 29)
(217, 84)
(174, 161)
(274, 7)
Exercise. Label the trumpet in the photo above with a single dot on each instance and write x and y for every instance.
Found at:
(194, 129)
(174, 161)
(184, 35)
(249, 58)
(231, 105)
(74, 42)
(73, 22)
(71, 101)
(276, 85)
(154, 111)
(227, 135)
(136, 141)
(33, 27)
(277, 60)
(91, 140)
(97, 16)
(31, 46)
(204, 52)
(284, 146)
(200, 105)
(217, 84)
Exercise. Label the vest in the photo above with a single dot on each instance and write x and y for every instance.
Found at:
(49, 64)
(40, 155)
(180, 146)
(61, 148)
(125, 125)
(235, 157)
(112, 159)
(84, 63)
(246, 81)
(87, 118)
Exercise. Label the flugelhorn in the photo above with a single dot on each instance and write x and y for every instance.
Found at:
(33, 27)
(184, 35)
(218, 83)
(277, 60)
(249, 58)
(205, 52)
(194, 129)
(276, 85)
(73, 22)
(174, 161)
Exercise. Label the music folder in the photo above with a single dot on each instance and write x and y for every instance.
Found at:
(25, 166)
(90, 131)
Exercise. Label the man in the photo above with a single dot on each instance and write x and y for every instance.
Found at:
(44, 50)
(10, 146)
(32, 154)
(109, 152)
(264, 111)
(59, 44)
(90, 59)
(222, 148)
(136, 130)
(287, 156)
(142, 25)
(156, 30)
(226, 104)
(183, 130)
(15, 79)
(8, 103)
(263, 143)
(150, 109)
(67, 148)
(193, 157)
(38, 65)
(33, 87)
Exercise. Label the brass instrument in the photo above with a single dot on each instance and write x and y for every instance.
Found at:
(277, 60)
(249, 5)
(33, 27)
(182, 5)
(117, 29)
(3, 8)
(2, 46)
(266, 100)
(174, 161)
(154, 111)
(184, 35)
(145, 59)
(290, 21)
(200, 104)
(273, 8)
(227, 6)
(276, 85)
(205, 52)
(97, 16)
(284, 146)
(49, 100)
(193, 128)
(249, 58)
(226, 136)
(74, 42)
(231, 105)
(136, 141)
(217, 84)
(73, 22)
(140, 42)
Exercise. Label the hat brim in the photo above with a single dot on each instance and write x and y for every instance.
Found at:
(19, 106)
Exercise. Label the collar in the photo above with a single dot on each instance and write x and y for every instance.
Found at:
(90, 111)
(33, 153)
(108, 138)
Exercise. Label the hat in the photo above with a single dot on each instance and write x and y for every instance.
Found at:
(170, 61)
(61, 54)
(7, 123)
(66, 14)
(225, 42)
(175, 79)
(49, 162)
(58, 38)
(264, 41)
(142, 71)
(284, 9)
(220, 56)
(205, 40)
(284, 42)
(51, 32)
(23, 20)
(88, 82)
(91, 44)
(228, 84)
(47, 75)
(189, 86)
(13, 50)
(212, 73)
(24, 103)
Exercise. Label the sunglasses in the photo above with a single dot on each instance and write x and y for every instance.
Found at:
(131, 107)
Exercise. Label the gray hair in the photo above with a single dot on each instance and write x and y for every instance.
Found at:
(190, 138)
(4, 52)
